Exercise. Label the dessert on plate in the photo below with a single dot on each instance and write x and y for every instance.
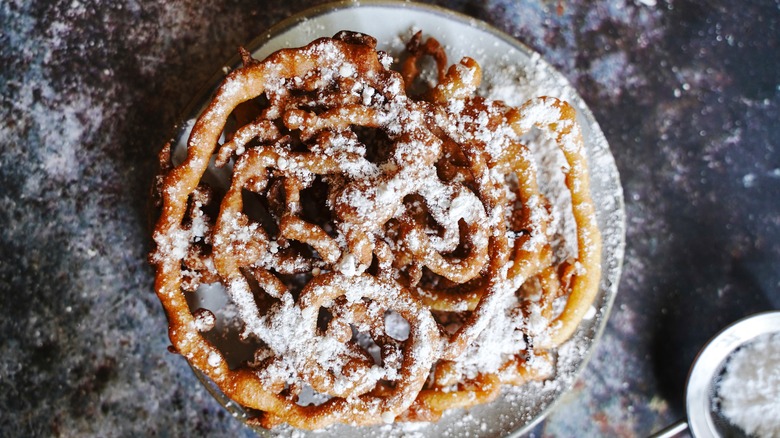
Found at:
(380, 232)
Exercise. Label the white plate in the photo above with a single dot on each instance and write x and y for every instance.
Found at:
(514, 73)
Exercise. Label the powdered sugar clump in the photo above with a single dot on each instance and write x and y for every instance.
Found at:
(749, 390)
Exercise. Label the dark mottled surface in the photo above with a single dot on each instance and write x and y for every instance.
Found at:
(687, 93)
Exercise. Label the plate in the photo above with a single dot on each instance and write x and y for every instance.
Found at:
(513, 73)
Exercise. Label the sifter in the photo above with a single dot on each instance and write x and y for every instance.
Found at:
(704, 420)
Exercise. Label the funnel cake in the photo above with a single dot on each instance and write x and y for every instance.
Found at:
(375, 244)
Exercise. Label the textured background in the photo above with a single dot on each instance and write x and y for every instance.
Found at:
(687, 93)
